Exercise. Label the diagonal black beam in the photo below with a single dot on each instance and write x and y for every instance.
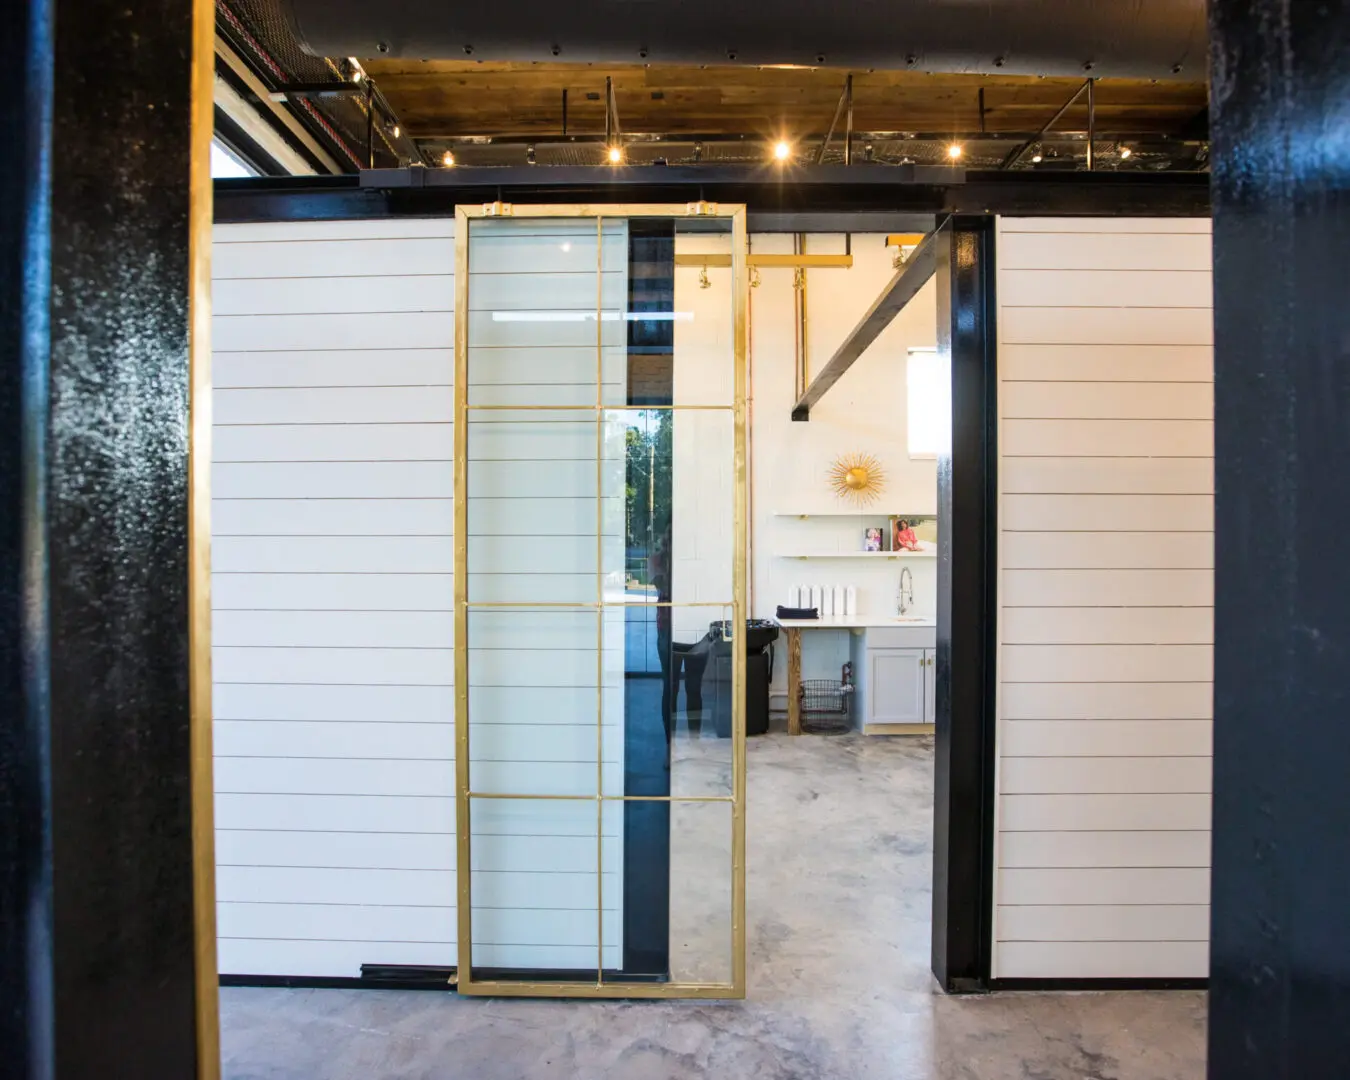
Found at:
(898, 292)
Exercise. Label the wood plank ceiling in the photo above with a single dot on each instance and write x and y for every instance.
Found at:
(449, 100)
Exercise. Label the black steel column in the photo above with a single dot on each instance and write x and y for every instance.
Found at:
(1280, 941)
(26, 1037)
(96, 891)
(963, 820)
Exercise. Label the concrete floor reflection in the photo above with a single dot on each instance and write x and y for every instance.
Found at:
(839, 897)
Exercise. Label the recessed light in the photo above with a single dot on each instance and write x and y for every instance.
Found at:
(781, 150)
(954, 151)
(615, 155)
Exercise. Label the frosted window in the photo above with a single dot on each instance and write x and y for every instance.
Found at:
(929, 397)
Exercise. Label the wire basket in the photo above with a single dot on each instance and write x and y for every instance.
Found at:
(826, 706)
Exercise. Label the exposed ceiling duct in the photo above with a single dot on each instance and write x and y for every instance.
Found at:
(1151, 39)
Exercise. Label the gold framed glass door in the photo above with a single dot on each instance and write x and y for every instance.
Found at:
(600, 527)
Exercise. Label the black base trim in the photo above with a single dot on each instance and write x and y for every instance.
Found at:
(1099, 984)
(416, 977)
(428, 973)
(331, 982)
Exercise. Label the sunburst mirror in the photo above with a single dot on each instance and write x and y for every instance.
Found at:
(857, 477)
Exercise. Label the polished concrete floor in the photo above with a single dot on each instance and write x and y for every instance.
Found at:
(839, 895)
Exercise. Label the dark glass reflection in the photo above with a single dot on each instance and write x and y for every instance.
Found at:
(651, 291)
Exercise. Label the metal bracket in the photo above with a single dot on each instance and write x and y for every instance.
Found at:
(497, 209)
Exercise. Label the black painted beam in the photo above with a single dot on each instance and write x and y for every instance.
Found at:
(827, 189)
(1280, 939)
(97, 950)
(899, 291)
(963, 786)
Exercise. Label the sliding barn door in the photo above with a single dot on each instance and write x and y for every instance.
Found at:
(599, 581)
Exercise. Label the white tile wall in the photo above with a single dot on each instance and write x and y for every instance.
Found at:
(1106, 598)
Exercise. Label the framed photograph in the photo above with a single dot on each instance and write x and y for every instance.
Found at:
(912, 533)
(872, 540)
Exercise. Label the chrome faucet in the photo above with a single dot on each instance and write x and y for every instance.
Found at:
(904, 599)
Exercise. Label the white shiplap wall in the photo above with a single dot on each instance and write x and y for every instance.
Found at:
(1106, 590)
(332, 597)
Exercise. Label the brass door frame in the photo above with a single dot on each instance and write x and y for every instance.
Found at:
(463, 794)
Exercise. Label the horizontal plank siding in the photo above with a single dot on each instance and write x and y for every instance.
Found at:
(332, 621)
(1106, 598)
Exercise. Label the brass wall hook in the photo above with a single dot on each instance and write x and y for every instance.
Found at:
(704, 282)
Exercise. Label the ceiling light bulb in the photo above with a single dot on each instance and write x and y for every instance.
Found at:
(1035, 158)
(448, 158)
(781, 150)
(1125, 152)
(615, 155)
(396, 131)
(954, 151)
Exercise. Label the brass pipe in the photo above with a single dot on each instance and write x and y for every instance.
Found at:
(749, 434)
(803, 370)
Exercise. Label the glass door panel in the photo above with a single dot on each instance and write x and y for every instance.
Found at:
(599, 502)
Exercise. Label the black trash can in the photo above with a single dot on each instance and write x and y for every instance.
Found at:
(759, 636)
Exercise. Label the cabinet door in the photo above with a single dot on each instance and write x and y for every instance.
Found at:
(895, 686)
(929, 686)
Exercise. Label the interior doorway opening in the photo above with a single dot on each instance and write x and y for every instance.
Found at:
(528, 568)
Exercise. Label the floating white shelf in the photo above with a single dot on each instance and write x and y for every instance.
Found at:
(838, 513)
(859, 555)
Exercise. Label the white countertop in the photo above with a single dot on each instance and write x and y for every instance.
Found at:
(857, 622)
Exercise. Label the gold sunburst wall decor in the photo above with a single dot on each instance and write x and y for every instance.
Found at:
(857, 477)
